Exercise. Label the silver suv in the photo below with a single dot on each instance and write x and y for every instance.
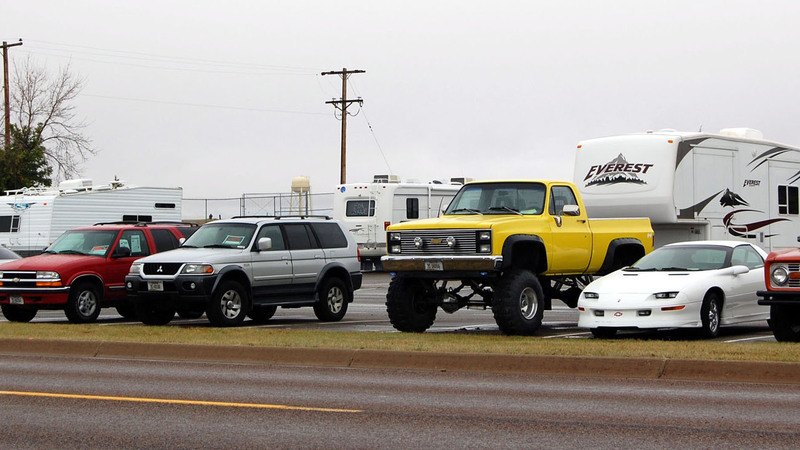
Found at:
(248, 266)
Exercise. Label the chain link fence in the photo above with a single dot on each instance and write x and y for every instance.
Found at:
(257, 204)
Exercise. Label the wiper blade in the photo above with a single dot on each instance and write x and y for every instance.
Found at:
(674, 269)
(638, 269)
(70, 252)
(216, 246)
(505, 208)
(473, 211)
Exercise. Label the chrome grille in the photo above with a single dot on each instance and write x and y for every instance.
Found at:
(793, 268)
(434, 242)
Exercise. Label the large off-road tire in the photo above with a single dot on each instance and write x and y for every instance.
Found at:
(710, 315)
(262, 314)
(229, 305)
(518, 304)
(784, 320)
(83, 304)
(15, 313)
(603, 333)
(410, 304)
(154, 312)
(332, 299)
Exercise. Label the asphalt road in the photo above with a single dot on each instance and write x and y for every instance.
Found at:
(68, 402)
(368, 313)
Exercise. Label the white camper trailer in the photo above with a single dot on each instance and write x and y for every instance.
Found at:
(366, 209)
(31, 219)
(695, 185)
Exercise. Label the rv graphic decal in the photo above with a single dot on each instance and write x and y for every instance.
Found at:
(619, 170)
(768, 155)
(20, 206)
(743, 230)
(730, 198)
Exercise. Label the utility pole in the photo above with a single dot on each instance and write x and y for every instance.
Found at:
(5, 92)
(342, 105)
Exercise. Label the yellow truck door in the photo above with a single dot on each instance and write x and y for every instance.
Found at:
(571, 240)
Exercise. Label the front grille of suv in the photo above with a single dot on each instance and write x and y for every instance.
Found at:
(162, 269)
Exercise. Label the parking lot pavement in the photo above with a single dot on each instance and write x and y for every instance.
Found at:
(368, 313)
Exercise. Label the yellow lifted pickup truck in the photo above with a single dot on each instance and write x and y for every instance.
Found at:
(509, 245)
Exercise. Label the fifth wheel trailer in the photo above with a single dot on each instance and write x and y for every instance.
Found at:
(695, 185)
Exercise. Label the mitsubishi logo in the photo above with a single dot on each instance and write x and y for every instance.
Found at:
(160, 269)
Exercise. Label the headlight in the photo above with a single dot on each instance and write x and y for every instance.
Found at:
(483, 241)
(779, 275)
(135, 269)
(665, 295)
(394, 243)
(197, 269)
(47, 275)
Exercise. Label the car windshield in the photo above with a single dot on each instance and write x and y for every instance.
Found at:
(684, 258)
(84, 242)
(7, 254)
(222, 235)
(499, 198)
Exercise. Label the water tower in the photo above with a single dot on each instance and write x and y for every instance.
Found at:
(300, 197)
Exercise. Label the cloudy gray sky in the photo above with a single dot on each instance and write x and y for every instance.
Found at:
(225, 98)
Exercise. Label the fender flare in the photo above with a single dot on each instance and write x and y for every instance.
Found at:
(611, 251)
(536, 262)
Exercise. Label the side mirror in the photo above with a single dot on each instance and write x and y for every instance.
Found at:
(571, 210)
(264, 243)
(739, 270)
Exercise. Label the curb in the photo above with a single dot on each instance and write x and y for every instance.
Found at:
(654, 368)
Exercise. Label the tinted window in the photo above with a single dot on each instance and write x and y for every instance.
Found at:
(412, 208)
(164, 240)
(222, 234)
(135, 241)
(560, 196)
(330, 235)
(299, 237)
(273, 232)
(746, 256)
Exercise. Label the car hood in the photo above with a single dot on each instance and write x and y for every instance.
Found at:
(193, 255)
(50, 261)
(478, 221)
(621, 282)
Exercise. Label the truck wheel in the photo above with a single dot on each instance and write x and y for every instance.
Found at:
(784, 320)
(228, 305)
(710, 314)
(152, 312)
(518, 304)
(332, 300)
(16, 314)
(83, 305)
(261, 314)
(127, 310)
(410, 305)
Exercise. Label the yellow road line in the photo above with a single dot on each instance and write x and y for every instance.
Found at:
(176, 401)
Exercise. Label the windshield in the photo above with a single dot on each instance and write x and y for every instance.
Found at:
(499, 198)
(84, 242)
(688, 258)
(224, 235)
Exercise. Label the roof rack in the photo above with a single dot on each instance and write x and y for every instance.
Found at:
(293, 216)
(140, 223)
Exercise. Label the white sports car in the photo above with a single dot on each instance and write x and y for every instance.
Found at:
(698, 284)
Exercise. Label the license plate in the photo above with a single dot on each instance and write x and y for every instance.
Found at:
(155, 285)
(433, 265)
(17, 300)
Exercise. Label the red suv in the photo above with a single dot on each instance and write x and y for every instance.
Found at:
(84, 270)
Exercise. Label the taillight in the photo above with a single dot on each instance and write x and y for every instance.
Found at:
(386, 225)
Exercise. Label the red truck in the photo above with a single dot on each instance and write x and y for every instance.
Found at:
(84, 270)
(782, 278)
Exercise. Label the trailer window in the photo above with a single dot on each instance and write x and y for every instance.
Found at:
(360, 208)
(788, 202)
(412, 208)
(9, 224)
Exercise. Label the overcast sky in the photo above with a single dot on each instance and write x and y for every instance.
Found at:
(226, 98)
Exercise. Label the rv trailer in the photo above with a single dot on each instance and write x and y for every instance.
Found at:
(32, 218)
(695, 185)
(366, 209)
